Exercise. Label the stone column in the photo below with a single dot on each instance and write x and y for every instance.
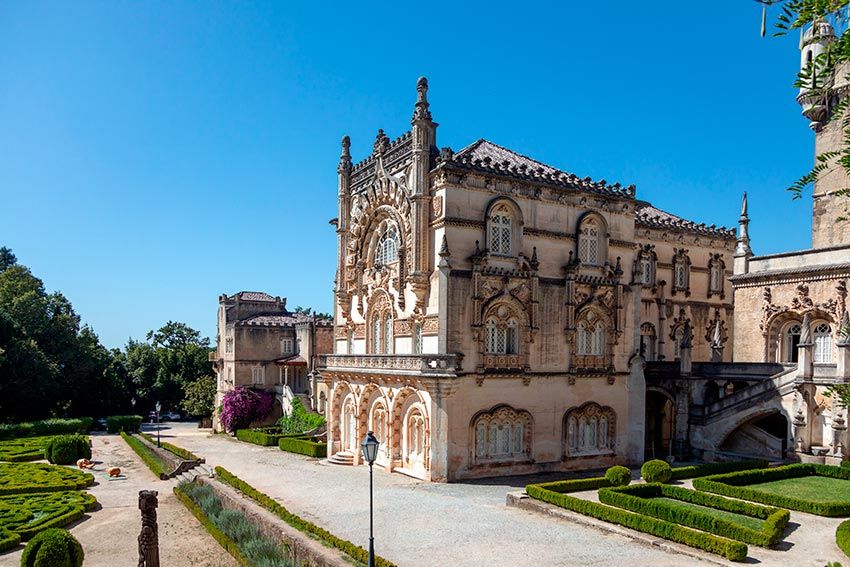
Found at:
(681, 446)
(439, 436)
(637, 410)
(805, 351)
(685, 347)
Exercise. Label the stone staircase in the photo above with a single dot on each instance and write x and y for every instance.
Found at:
(196, 471)
(342, 458)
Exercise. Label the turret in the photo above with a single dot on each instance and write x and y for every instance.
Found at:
(743, 252)
(344, 184)
(811, 97)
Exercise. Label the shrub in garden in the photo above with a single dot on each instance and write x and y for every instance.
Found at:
(842, 537)
(53, 548)
(656, 470)
(67, 449)
(242, 406)
(303, 446)
(618, 476)
(128, 423)
(299, 419)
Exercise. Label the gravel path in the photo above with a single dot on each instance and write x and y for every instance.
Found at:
(419, 524)
(108, 535)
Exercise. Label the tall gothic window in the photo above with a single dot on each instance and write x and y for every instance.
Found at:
(678, 335)
(591, 242)
(791, 340)
(681, 272)
(500, 231)
(823, 343)
(377, 327)
(648, 341)
(590, 430)
(647, 270)
(715, 275)
(386, 250)
(389, 342)
(502, 434)
(417, 338)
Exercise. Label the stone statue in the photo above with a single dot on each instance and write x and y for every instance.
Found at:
(687, 340)
(149, 537)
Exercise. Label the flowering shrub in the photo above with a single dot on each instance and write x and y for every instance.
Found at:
(242, 406)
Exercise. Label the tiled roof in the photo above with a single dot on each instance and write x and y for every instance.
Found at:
(653, 217)
(275, 319)
(255, 296)
(485, 156)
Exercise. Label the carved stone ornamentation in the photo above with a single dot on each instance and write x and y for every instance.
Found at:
(149, 536)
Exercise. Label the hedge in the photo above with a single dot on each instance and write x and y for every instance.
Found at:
(222, 538)
(174, 449)
(265, 438)
(151, 459)
(645, 499)
(694, 471)
(53, 548)
(67, 449)
(45, 427)
(842, 537)
(28, 514)
(303, 446)
(734, 485)
(23, 449)
(575, 485)
(267, 502)
(730, 549)
(8, 539)
(28, 478)
(128, 423)
(656, 470)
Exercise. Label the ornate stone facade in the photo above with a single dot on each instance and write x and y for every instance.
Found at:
(493, 313)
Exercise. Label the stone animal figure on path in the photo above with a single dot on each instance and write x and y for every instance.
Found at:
(149, 537)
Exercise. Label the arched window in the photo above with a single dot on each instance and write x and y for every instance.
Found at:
(591, 336)
(417, 338)
(377, 327)
(414, 438)
(591, 241)
(502, 336)
(791, 340)
(389, 342)
(716, 282)
(647, 270)
(386, 249)
(378, 426)
(502, 434)
(647, 341)
(678, 335)
(500, 236)
(681, 272)
(823, 343)
(716, 267)
(589, 430)
(681, 277)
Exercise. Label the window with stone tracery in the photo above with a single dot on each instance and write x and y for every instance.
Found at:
(592, 243)
(716, 267)
(502, 335)
(414, 448)
(648, 341)
(647, 270)
(500, 234)
(590, 335)
(823, 343)
(389, 341)
(792, 341)
(681, 272)
(386, 249)
(678, 335)
(502, 434)
(590, 430)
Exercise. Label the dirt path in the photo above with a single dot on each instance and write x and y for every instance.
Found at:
(108, 535)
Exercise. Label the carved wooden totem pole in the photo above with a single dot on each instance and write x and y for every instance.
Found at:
(149, 537)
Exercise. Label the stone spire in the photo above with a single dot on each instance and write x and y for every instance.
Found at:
(421, 110)
(743, 246)
(345, 157)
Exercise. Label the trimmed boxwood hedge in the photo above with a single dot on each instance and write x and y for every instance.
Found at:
(303, 446)
(645, 499)
(8, 539)
(26, 478)
(28, 514)
(735, 485)
(707, 469)
(270, 504)
(656, 470)
(575, 485)
(266, 438)
(23, 449)
(174, 449)
(222, 538)
(842, 537)
(53, 548)
(151, 459)
(730, 549)
(45, 427)
(618, 476)
(67, 449)
(128, 423)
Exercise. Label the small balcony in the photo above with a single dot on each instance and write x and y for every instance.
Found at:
(505, 361)
(421, 364)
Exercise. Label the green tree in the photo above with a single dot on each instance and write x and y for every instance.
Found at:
(199, 396)
(7, 258)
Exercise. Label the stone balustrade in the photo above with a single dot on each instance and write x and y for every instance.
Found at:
(429, 364)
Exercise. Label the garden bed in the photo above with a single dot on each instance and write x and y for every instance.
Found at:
(19, 478)
(28, 514)
(154, 462)
(743, 521)
(817, 489)
(23, 449)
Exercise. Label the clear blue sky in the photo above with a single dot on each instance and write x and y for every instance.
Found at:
(156, 154)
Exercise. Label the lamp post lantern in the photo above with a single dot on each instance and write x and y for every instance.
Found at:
(133, 404)
(370, 453)
(158, 407)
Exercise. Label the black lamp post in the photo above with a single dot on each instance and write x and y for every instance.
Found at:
(158, 407)
(370, 453)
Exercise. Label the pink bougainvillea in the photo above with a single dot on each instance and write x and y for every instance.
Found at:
(242, 406)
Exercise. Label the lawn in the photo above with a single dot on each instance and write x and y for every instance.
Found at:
(740, 519)
(23, 449)
(813, 488)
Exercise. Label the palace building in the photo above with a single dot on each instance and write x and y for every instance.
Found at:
(494, 314)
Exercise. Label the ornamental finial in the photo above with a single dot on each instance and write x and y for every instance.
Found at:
(345, 156)
(421, 110)
(382, 142)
